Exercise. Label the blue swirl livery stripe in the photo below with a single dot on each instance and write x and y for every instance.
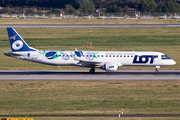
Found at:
(17, 43)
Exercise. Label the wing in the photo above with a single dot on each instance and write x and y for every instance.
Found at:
(88, 62)
(94, 62)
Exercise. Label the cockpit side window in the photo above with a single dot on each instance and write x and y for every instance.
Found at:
(164, 56)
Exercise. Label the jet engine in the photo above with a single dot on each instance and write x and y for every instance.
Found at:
(110, 67)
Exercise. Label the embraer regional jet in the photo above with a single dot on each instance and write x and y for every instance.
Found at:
(106, 60)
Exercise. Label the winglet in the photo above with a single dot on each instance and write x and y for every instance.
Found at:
(17, 43)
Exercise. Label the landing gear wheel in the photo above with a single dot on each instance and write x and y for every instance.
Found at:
(157, 71)
(91, 71)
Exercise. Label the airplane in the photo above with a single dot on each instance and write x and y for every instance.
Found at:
(106, 60)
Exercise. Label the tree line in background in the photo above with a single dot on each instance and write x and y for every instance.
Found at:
(88, 6)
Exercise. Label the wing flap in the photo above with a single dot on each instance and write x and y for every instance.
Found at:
(91, 62)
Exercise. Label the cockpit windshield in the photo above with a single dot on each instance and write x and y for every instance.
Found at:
(164, 56)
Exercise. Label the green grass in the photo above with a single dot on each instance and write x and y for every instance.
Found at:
(106, 118)
(104, 41)
(140, 40)
(164, 40)
(89, 97)
(87, 21)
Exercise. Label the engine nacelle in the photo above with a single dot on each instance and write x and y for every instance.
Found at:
(110, 67)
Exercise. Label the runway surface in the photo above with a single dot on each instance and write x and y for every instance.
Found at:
(85, 75)
(89, 25)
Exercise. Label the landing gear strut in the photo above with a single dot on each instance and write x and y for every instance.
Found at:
(157, 69)
(92, 70)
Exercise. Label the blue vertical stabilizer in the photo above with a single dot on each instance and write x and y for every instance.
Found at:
(17, 43)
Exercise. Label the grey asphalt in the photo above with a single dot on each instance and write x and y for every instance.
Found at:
(85, 75)
(89, 25)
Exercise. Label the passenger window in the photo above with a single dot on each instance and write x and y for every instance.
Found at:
(113, 55)
(106, 56)
(117, 56)
(109, 55)
(101, 55)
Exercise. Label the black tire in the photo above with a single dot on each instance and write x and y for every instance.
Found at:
(91, 71)
(157, 71)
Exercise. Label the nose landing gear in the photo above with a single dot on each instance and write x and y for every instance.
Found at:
(157, 69)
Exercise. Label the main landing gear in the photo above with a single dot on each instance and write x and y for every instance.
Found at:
(92, 70)
(157, 69)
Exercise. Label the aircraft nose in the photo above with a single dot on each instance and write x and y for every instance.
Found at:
(173, 62)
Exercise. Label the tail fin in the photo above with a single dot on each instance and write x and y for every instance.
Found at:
(17, 43)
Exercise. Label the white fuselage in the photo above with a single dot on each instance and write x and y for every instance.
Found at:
(106, 60)
(96, 58)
